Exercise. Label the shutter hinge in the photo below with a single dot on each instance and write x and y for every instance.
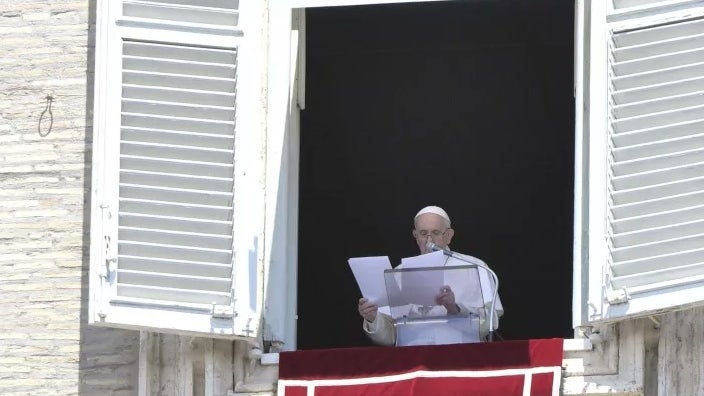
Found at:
(591, 334)
(617, 296)
(109, 268)
(222, 312)
(110, 255)
(110, 259)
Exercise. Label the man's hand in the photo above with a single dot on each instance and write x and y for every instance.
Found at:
(367, 310)
(447, 299)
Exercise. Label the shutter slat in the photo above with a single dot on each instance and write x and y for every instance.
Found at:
(155, 222)
(661, 46)
(657, 178)
(621, 4)
(655, 134)
(659, 33)
(680, 165)
(175, 195)
(663, 118)
(627, 152)
(175, 138)
(663, 190)
(182, 96)
(684, 72)
(660, 262)
(657, 91)
(660, 278)
(658, 219)
(173, 295)
(165, 252)
(167, 52)
(177, 110)
(671, 103)
(659, 62)
(191, 168)
(175, 238)
(658, 234)
(656, 206)
(178, 124)
(170, 66)
(175, 281)
(179, 81)
(676, 245)
(169, 209)
(172, 266)
(185, 182)
(180, 13)
(224, 4)
(174, 152)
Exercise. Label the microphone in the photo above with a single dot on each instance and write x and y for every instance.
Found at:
(492, 311)
(435, 248)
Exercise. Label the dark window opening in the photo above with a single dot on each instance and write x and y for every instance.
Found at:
(465, 105)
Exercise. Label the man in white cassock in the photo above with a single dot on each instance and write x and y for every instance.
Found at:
(466, 320)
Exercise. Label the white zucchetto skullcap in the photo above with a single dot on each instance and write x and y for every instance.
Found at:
(435, 210)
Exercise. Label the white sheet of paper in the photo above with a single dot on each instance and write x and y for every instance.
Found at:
(434, 259)
(421, 287)
(369, 273)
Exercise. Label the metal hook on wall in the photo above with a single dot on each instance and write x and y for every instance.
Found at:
(47, 108)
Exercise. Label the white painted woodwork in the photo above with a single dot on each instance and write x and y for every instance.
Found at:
(646, 160)
(175, 145)
(580, 267)
(286, 76)
(657, 157)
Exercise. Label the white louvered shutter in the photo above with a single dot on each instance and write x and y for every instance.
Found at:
(654, 204)
(166, 170)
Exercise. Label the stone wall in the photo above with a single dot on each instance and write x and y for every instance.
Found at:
(46, 83)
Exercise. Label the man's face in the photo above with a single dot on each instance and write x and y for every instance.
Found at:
(432, 228)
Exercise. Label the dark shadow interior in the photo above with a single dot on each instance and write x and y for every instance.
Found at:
(466, 105)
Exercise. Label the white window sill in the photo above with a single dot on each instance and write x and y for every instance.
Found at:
(269, 359)
(577, 345)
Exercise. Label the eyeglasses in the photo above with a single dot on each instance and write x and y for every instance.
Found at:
(424, 234)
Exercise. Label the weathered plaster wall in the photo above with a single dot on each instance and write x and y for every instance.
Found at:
(46, 347)
(680, 369)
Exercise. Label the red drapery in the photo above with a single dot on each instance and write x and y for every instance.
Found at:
(521, 368)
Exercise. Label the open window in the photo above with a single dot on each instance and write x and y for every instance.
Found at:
(177, 218)
(642, 159)
(194, 190)
(350, 223)
(638, 157)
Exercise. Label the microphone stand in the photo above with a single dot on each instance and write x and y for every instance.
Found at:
(492, 311)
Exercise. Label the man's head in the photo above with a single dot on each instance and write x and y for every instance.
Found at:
(432, 224)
